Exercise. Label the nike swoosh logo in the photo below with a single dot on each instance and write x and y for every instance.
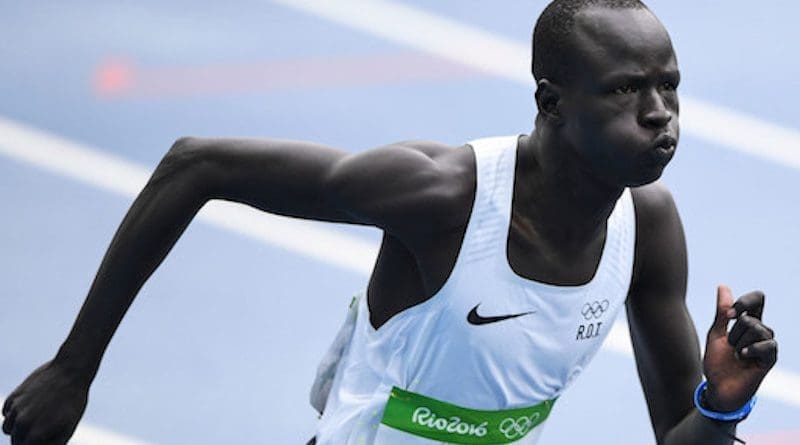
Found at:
(474, 318)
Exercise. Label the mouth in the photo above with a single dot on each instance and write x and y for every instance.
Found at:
(665, 142)
(663, 149)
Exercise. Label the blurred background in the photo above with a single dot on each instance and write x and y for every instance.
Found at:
(221, 345)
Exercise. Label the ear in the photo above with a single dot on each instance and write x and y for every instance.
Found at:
(548, 100)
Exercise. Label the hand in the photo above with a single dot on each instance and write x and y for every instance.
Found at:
(46, 407)
(736, 362)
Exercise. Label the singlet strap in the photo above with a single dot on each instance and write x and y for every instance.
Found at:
(487, 229)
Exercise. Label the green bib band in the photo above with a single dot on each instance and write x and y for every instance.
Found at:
(433, 419)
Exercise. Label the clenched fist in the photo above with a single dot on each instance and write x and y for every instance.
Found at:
(46, 407)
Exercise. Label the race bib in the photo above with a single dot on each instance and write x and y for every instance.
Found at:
(430, 421)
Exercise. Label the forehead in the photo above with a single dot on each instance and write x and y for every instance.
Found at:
(627, 39)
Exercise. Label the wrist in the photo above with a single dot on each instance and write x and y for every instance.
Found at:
(709, 400)
(709, 409)
(77, 367)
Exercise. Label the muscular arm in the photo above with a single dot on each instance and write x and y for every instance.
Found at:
(663, 334)
(386, 187)
(390, 187)
(664, 339)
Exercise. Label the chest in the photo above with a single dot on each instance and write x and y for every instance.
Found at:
(563, 263)
(513, 342)
(490, 303)
(409, 275)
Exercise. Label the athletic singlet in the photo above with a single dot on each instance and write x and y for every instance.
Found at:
(485, 358)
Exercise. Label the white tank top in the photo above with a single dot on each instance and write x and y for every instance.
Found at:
(454, 368)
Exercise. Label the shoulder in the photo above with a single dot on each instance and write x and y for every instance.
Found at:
(660, 260)
(453, 189)
(409, 188)
(653, 201)
(450, 158)
(657, 218)
(449, 168)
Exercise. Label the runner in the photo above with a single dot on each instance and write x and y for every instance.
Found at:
(502, 267)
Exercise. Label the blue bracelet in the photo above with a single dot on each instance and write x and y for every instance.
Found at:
(733, 416)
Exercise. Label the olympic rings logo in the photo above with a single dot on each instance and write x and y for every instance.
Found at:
(515, 428)
(594, 309)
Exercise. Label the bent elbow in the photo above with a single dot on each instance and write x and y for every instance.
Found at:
(180, 163)
(183, 153)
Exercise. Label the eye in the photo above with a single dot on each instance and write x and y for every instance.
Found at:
(627, 89)
(669, 86)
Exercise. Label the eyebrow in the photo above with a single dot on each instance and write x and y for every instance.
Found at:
(637, 76)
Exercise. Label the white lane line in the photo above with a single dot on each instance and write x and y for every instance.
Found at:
(93, 435)
(741, 132)
(114, 174)
(426, 32)
(509, 59)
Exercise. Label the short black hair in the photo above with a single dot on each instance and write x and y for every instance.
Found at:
(550, 52)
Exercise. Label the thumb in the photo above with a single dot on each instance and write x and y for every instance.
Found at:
(725, 312)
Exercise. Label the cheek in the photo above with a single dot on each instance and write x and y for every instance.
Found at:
(606, 128)
(613, 135)
(623, 129)
(604, 115)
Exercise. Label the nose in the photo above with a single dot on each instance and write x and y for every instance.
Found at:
(654, 112)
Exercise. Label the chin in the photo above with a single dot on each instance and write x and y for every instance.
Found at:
(645, 177)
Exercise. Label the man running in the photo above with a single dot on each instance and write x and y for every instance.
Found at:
(502, 267)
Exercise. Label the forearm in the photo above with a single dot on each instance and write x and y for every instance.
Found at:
(698, 429)
(148, 232)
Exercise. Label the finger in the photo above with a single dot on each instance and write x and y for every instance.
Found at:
(7, 403)
(743, 324)
(724, 311)
(764, 352)
(8, 423)
(752, 303)
(753, 333)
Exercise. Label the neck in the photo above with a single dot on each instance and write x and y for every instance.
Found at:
(564, 201)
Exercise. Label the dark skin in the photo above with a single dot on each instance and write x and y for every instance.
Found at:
(613, 124)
